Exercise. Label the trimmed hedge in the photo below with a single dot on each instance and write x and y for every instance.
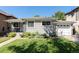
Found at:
(29, 34)
(12, 34)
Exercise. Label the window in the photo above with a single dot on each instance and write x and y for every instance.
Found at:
(46, 23)
(64, 25)
(30, 23)
(72, 14)
(15, 24)
(57, 25)
(61, 25)
(8, 28)
(67, 25)
(3, 29)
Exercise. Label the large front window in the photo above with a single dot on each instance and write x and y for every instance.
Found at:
(46, 23)
(30, 23)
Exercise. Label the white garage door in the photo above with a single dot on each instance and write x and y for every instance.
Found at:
(64, 31)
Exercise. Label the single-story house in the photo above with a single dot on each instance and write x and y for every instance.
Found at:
(42, 25)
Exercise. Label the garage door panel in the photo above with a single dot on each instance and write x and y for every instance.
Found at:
(64, 31)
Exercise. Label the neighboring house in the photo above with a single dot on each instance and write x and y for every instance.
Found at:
(4, 26)
(74, 16)
(41, 25)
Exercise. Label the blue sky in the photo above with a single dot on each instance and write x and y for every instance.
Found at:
(30, 11)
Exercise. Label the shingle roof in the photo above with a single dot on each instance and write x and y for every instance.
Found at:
(14, 20)
(77, 8)
(6, 14)
(40, 18)
(32, 19)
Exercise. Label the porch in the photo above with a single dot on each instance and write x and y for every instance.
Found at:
(16, 25)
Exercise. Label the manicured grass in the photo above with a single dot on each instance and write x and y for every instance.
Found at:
(2, 39)
(35, 43)
(40, 45)
(19, 42)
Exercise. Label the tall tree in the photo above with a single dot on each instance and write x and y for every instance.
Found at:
(60, 15)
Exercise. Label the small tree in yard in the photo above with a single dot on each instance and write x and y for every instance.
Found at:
(59, 15)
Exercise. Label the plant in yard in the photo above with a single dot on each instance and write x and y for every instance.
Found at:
(26, 34)
(12, 34)
(29, 34)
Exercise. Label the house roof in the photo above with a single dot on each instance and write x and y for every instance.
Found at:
(32, 19)
(6, 14)
(40, 19)
(14, 20)
(74, 10)
(43, 19)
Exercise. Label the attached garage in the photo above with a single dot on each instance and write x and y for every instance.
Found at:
(64, 28)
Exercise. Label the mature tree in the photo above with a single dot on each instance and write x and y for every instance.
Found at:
(60, 15)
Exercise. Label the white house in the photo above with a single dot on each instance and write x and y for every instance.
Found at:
(41, 25)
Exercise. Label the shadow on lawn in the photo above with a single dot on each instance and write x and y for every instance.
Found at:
(62, 46)
(66, 46)
(30, 49)
(22, 49)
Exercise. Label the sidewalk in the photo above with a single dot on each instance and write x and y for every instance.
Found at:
(11, 40)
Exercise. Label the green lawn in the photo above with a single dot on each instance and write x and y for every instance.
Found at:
(40, 45)
(35, 43)
(2, 39)
(9, 47)
(5, 49)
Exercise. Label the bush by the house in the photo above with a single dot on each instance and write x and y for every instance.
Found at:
(34, 35)
(29, 34)
(12, 34)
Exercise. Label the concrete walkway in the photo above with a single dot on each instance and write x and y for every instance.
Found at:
(11, 40)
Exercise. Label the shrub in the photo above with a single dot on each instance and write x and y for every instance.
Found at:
(45, 35)
(29, 34)
(26, 34)
(12, 34)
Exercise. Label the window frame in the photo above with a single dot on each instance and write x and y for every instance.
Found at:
(15, 24)
(31, 22)
(44, 23)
